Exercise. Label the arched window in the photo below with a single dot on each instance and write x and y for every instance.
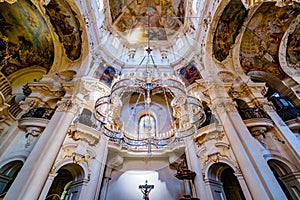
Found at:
(146, 127)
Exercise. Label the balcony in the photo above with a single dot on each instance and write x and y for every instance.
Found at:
(44, 113)
(256, 119)
(250, 113)
(289, 113)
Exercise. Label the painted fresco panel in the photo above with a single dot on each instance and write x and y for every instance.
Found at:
(25, 39)
(260, 43)
(108, 75)
(190, 73)
(228, 28)
(67, 27)
(163, 17)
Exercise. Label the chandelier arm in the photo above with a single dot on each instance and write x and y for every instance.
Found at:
(155, 66)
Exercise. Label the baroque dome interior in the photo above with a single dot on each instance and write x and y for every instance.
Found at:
(199, 98)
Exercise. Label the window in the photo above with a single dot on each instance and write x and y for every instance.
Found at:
(146, 127)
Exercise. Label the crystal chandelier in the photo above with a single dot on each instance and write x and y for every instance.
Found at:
(148, 94)
(148, 109)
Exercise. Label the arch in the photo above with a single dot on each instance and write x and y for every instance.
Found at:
(213, 170)
(280, 167)
(286, 178)
(207, 170)
(288, 164)
(68, 182)
(84, 171)
(223, 182)
(8, 173)
(288, 59)
(274, 83)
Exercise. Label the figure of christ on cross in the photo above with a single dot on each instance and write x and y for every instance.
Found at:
(146, 190)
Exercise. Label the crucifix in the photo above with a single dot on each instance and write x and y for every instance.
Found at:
(146, 190)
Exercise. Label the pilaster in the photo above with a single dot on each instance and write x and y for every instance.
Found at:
(262, 183)
(33, 175)
(283, 130)
(97, 170)
(195, 165)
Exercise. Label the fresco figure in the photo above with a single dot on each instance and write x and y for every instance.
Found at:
(190, 73)
(108, 75)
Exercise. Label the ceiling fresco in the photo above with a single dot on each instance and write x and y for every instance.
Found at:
(261, 40)
(25, 39)
(228, 28)
(66, 26)
(131, 18)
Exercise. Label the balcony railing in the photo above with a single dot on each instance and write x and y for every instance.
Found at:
(45, 113)
(250, 113)
(289, 113)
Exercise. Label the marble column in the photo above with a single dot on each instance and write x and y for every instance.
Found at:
(196, 166)
(33, 175)
(106, 180)
(97, 167)
(260, 180)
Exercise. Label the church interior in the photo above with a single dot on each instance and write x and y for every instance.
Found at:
(149, 99)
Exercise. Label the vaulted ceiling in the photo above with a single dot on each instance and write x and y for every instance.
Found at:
(39, 36)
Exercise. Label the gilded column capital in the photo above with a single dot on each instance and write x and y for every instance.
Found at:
(68, 106)
(239, 91)
(268, 106)
(230, 107)
(219, 107)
